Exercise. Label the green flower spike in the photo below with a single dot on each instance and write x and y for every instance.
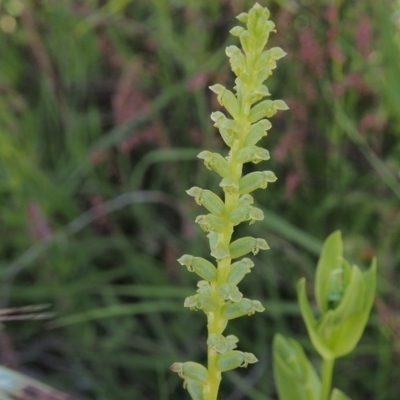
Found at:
(241, 127)
(344, 297)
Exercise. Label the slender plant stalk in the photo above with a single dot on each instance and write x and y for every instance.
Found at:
(327, 371)
(215, 322)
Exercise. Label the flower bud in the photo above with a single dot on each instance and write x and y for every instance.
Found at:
(256, 132)
(255, 15)
(222, 344)
(208, 199)
(280, 105)
(255, 215)
(268, 59)
(236, 31)
(245, 213)
(210, 222)
(261, 110)
(256, 180)
(234, 359)
(215, 162)
(200, 266)
(243, 17)
(219, 250)
(247, 41)
(227, 99)
(232, 50)
(275, 53)
(238, 270)
(190, 370)
(195, 389)
(261, 76)
(229, 292)
(245, 245)
(204, 287)
(239, 214)
(229, 185)
(262, 30)
(200, 302)
(228, 128)
(237, 60)
(242, 307)
(245, 200)
(212, 202)
(258, 94)
(252, 154)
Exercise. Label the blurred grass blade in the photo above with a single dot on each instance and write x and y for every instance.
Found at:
(14, 385)
(379, 166)
(119, 310)
(159, 156)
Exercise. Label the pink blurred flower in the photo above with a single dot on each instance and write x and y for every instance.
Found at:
(38, 224)
(310, 51)
(198, 80)
(364, 36)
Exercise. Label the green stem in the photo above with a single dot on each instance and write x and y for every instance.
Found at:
(327, 371)
(214, 374)
(216, 324)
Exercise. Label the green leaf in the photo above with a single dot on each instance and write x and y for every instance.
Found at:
(311, 322)
(339, 395)
(329, 261)
(352, 314)
(14, 385)
(295, 377)
(338, 330)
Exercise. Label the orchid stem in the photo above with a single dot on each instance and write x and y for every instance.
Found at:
(327, 371)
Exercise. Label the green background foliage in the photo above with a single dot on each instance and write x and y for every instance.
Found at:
(103, 108)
